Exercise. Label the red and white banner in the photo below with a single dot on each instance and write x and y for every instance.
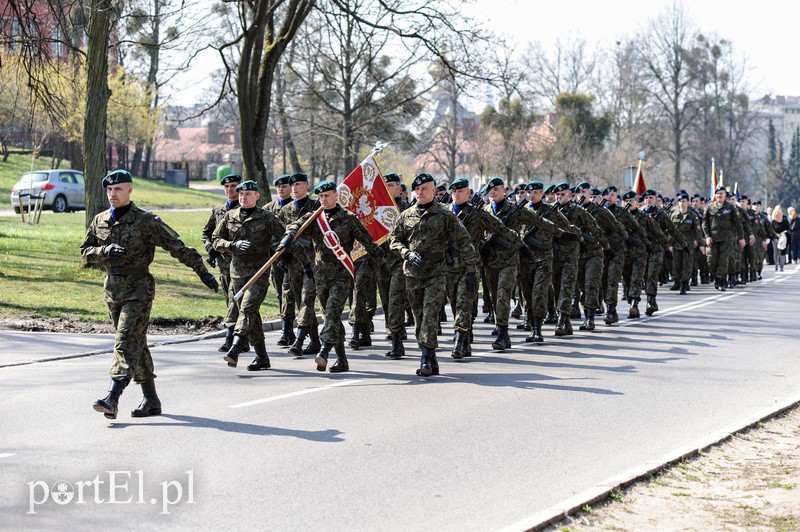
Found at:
(331, 240)
(364, 193)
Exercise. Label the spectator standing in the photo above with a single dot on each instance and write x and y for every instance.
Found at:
(781, 226)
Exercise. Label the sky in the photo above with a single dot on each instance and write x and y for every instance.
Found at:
(765, 34)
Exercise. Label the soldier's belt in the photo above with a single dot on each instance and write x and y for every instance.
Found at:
(127, 270)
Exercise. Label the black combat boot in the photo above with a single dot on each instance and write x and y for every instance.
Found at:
(684, 287)
(434, 362)
(287, 334)
(398, 349)
(296, 348)
(151, 404)
(568, 327)
(238, 347)
(313, 346)
(561, 327)
(743, 279)
(354, 338)
(322, 357)
(525, 322)
(575, 311)
(517, 312)
(732, 280)
(611, 314)
(633, 312)
(109, 404)
(588, 323)
(551, 317)
(693, 282)
(500, 342)
(652, 306)
(226, 345)
(425, 369)
(458, 346)
(365, 340)
(262, 358)
(489, 317)
(676, 284)
(600, 309)
(536, 333)
(467, 347)
(341, 365)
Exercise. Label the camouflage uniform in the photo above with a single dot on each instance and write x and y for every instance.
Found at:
(261, 228)
(223, 260)
(688, 225)
(393, 288)
(653, 220)
(590, 260)
(614, 257)
(565, 272)
(280, 279)
(743, 256)
(636, 252)
(721, 223)
(129, 288)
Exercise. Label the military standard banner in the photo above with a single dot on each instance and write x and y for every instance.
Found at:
(364, 193)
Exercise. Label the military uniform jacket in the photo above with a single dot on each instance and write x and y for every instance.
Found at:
(290, 213)
(276, 205)
(633, 228)
(347, 227)
(217, 214)
(664, 223)
(721, 222)
(427, 232)
(139, 232)
(478, 222)
(747, 226)
(548, 239)
(520, 222)
(654, 233)
(260, 227)
(614, 230)
(688, 225)
(393, 259)
(594, 241)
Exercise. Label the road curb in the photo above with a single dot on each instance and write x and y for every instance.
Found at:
(603, 490)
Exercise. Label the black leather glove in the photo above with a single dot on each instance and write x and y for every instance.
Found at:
(414, 259)
(308, 270)
(285, 241)
(471, 279)
(241, 245)
(569, 237)
(210, 281)
(386, 272)
(113, 250)
(213, 254)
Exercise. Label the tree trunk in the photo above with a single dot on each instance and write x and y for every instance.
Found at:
(288, 142)
(97, 94)
(136, 163)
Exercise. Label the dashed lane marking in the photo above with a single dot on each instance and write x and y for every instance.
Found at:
(294, 394)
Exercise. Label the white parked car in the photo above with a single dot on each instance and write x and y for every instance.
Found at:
(64, 190)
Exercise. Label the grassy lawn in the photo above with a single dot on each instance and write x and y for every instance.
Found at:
(41, 273)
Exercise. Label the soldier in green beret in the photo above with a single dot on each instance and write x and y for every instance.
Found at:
(123, 240)
(280, 280)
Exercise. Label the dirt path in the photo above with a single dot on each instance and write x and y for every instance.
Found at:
(68, 325)
(751, 482)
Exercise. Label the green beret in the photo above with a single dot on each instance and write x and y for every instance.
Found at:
(494, 182)
(421, 179)
(723, 189)
(629, 195)
(596, 192)
(609, 189)
(683, 196)
(299, 177)
(561, 187)
(574, 189)
(391, 178)
(520, 186)
(535, 185)
(440, 187)
(757, 202)
(403, 186)
(461, 182)
(230, 178)
(325, 186)
(549, 189)
(116, 177)
(247, 185)
(582, 185)
(283, 180)
(649, 192)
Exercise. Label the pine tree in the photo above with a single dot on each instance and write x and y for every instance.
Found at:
(791, 189)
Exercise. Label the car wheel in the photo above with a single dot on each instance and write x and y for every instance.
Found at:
(60, 204)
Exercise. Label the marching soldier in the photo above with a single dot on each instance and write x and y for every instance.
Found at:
(298, 265)
(637, 252)
(248, 234)
(223, 261)
(723, 230)
(123, 239)
(565, 264)
(421, 237)
(688, 224)
(614, 256)
(280, 280)
(662, 225)
(743, 255)
(332, 236)
(699, 262)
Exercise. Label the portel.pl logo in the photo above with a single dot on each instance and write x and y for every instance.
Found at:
(118, 487)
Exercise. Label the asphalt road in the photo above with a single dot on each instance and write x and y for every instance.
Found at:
(491, 443)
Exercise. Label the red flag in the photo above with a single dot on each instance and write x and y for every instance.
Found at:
(364, 193)
(638, 184)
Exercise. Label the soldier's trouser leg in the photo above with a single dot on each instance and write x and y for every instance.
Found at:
(718, 258)
(487, 295)
(333, 293)
(305, 295)
(681, 266)
(426, 297)
(132, 359)
(748, 261)
(280, 280)
(760, 255)
(397, 300)
(638, 264)
(654, 263)
(613, 275)
(593, 273)
(232, 309)
(564, 276)
(462, 301)
(363, 287)
(249, 325)
(501, 284)
(525, 275)
(541, 275)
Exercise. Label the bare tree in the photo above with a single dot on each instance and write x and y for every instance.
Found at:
(570, 68)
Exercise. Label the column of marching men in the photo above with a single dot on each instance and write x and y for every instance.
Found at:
(545, 255)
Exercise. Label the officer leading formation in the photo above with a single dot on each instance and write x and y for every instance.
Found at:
(553, 251)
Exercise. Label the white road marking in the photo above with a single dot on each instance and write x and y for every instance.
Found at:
(677, 310)
(294, 394)
(6, 455)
